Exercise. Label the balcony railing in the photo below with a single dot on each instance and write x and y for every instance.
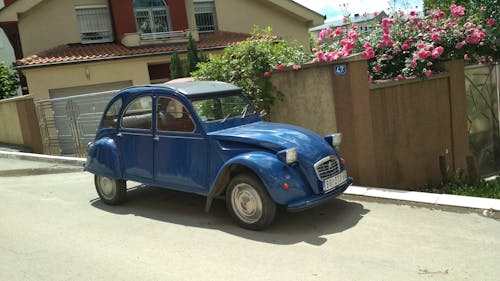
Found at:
(178, 34)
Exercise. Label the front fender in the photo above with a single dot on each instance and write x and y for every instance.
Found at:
(103, 159)
(272, 173)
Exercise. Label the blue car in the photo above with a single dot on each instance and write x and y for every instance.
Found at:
(206, 138)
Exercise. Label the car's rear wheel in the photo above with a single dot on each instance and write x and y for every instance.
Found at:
(249, 203)
(111, 191)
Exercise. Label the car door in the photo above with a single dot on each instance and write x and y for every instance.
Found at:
(180, 148)
(135, 138)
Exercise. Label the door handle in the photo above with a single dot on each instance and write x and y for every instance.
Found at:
(156, 138)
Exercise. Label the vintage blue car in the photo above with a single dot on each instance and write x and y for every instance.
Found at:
(206, 138)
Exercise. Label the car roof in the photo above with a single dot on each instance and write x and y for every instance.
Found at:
(202, 88)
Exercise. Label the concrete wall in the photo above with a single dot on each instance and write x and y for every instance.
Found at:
(18, 123)
(308, 101)
(393, 132)
(37, 37)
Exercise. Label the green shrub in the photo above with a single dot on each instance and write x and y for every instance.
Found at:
(176, 66)
(249, 64)
(9, 81)
(486, 189)
(192, 56)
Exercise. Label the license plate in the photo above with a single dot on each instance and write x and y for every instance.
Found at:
(330, 183)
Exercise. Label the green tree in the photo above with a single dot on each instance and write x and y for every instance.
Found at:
(249, 64)
(175, 66)
(9, 81)
(192, 56)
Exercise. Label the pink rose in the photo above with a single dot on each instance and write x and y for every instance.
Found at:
(400, 77)
(404, 47)
(428, 73)
(280, 67)
(267, 74)
(466, 57)
(457, 11)
(435, 37)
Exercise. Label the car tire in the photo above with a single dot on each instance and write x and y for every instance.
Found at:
(111, 191)
(249, 203)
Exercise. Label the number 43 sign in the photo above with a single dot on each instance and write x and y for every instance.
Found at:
(340, 69)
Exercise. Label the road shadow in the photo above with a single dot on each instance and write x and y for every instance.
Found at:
(308, 226)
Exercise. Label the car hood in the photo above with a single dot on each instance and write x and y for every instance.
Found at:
(276, 137)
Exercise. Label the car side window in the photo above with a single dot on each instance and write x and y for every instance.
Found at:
(138, 114)
(111, 116)
(172, 116)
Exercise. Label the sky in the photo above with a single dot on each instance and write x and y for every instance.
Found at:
(332, 8)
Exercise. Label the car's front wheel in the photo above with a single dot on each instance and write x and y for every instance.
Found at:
(249, 203)
(111, 191)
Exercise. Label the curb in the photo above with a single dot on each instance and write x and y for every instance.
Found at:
(43, 158)
(391, 194)
(425, 197)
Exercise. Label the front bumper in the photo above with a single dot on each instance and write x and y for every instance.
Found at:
(316, 200)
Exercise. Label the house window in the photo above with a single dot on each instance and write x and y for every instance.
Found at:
(204, 13)
(95, 24)
(152, 16)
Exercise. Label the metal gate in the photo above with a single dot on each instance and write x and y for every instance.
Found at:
(68, 124)
(483, 112)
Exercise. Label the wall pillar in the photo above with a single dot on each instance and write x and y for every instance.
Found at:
(354, 118)
(458, 109)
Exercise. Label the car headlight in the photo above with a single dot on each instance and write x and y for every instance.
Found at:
(334, 139)
(288, 156)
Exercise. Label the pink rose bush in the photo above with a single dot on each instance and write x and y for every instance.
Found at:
(411, 45)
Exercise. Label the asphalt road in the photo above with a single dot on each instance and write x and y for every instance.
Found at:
(53, 227)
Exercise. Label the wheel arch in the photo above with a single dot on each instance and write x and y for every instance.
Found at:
(268, 169)
(228, 172)
(103, 159)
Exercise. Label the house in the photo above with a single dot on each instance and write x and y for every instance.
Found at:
(71, 47)
(364, 22)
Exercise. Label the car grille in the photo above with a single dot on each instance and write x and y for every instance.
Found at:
(327, 167)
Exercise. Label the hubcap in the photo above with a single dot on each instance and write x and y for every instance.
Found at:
(107, 187)
(246, 203)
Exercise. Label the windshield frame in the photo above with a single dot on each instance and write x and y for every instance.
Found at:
(251, 115)
(249, 111)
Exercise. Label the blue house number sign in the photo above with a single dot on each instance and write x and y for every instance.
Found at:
(340, 69)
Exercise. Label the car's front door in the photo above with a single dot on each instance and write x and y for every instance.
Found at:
(135, 139)
(180, 148)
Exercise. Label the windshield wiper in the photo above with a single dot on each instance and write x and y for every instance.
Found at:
(225, 118)
(244, 111)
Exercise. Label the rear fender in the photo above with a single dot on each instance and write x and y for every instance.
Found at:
(103, 159)
(272, 172)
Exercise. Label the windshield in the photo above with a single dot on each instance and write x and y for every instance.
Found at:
(222, 108)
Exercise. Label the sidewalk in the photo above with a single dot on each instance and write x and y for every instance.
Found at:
(390, 194)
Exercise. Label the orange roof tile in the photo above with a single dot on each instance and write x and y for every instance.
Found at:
(72, 53)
